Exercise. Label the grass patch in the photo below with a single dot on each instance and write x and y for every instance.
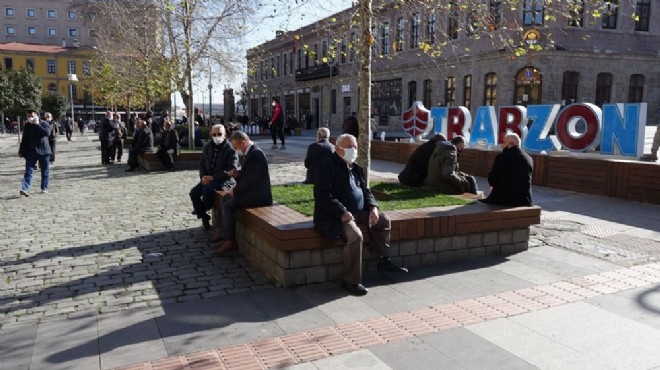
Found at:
(391, 197)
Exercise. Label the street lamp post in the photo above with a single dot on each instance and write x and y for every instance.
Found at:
(72, 78)
(210, 91)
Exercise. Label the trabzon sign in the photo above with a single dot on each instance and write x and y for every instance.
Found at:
(616, 128)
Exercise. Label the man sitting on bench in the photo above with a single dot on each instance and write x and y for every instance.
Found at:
(342, 200)
(511, 175)
(414, 174)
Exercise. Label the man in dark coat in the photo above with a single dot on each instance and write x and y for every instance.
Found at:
(218, 159)
(143, 142)
(34, 148)
(168, 147)
(511, 175)
(351, 125)
(68, 127)
(417, 167)
(106, 136)
(444, 175)
(317, 152)
(342, 200)
(252, 187)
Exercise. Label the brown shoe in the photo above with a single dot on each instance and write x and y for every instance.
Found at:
(216, 237)
(226, 246)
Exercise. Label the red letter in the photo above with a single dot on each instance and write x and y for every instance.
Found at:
(565, 128)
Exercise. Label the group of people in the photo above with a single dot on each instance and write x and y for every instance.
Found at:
(435, 166)
(112, 133)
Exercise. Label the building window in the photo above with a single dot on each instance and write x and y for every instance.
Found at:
(261, 70)
(52, 14)
(306, 59)
(9, 12)
(471, 22)
(11, 30)
(611, 13)
(528, 86)
(29, 64)
(427, 93)
(386, 100)
(86, 69)
(32, 31)
(576, 13)
(400, 33)
(73, 32)
(373, 45)
(72, 15)
(385, 38)
(430, 28)
(316, 53)
(452, 21)
(467, 91)
(603, 88)
(30, 13)
(643, 14)
(636, 89)
(344, 50)
(352, 46)
(414, 31)
(51, 65)
(277, 67)
(291, 64)
(490, 92)
(324, 50)
(333, 101)
(285, 64)
(91, 15)
(569, 87)
(52, 31)
(412, 92)
(450, 91)
(9, 63)
(533, 12)
(52, 87)
(299, 58)
(74, 92)
(72, 67)
(494, 14)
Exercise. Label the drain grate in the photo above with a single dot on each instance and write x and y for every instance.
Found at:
(599, 249)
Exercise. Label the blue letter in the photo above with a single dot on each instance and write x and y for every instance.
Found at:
(439, 115)
(626, 131)
(538, 140)
(484, 127)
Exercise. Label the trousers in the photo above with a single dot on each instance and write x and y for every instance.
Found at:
(379, 242)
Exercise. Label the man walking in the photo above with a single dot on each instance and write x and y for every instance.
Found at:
(277, 124)
(35, 148)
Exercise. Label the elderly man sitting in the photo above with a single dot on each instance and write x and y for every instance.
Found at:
(317, 152)
(444, 175)
(511, 175)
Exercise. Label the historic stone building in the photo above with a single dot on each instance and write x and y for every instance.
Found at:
(486, 54)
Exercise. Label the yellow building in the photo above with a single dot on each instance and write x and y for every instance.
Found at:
(53, 64)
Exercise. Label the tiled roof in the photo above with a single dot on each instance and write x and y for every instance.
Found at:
(38, 48)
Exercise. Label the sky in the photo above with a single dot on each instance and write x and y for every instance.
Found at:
(273, 15)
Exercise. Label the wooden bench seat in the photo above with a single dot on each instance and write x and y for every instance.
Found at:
(184, 161)
(285, 246)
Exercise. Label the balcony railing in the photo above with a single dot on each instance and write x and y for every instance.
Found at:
(316, 72)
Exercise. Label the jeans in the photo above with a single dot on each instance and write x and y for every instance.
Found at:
(31, 160)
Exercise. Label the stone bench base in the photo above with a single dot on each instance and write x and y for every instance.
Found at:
(184, 161)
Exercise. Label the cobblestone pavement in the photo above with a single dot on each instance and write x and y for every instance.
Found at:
(104, 240)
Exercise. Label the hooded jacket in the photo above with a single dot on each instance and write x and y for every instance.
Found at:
(443, 173)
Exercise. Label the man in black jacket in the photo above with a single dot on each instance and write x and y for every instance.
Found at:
(342, 200)
(35, 148)
(106, 136)
(414, 174)
(168, 147)
(252, 187)
(218, 159)
(143, 142)
(511, 175)
(317, 152)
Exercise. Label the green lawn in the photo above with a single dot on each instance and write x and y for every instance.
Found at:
(300, 197)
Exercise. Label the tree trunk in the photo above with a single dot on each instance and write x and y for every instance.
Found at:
(189, 102)
(364, 141)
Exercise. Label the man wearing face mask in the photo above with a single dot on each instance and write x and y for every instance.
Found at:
(511, 175)
(252, 187)
(218, 159)
(342, 200)
(35, 148)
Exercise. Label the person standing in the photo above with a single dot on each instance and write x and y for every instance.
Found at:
(68, 127)
(34, 148)
(168, 146)
(511, 175)
(252, 187)
(106, 136)
(342, 200)
(52, 137)
(317, 152)
(218, 159)
(276, 124)
(120, 135)
(81, 126)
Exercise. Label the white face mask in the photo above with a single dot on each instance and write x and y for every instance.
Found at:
(274, 104)
(350, 155)
(33, 119)
(218, 140)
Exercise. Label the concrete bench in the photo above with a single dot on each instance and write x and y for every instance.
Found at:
(283, 244)
(184, 161)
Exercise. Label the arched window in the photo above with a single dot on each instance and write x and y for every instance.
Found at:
(412, 93)
(569, 87)
(636, 89)
(52, 87)
(528, 86)
(603, 88)
(467, 91)
(490, 90)
(414, 30)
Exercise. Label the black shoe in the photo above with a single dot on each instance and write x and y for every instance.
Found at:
(357, 289)
(206, 224)
(388, 266)
(25, 193)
